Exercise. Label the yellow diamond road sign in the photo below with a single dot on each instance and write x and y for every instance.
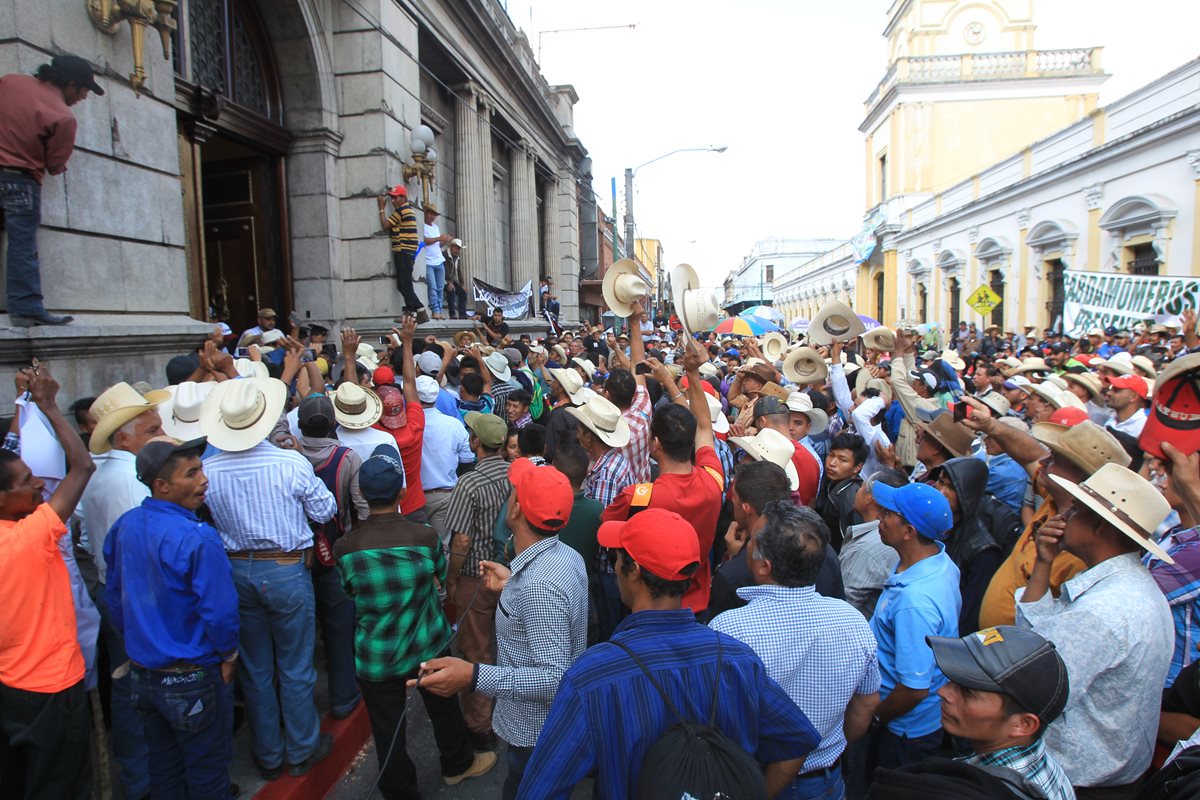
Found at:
(983, 300)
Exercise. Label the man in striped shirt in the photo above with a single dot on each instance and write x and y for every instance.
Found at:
(627, 390)
(401, 226)
(475, 503)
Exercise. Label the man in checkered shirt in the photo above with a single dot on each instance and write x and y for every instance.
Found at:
(541, 617)
(628, 391)
(391, 568)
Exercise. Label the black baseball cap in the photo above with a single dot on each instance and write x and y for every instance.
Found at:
(769, 406)
(381, 476)
(74, 69)
(1007, 660)
(316, 409)
(154, 454)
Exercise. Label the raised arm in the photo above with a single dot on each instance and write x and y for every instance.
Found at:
(43, 390)
(637, 346)
(692, 360)
(408, 366)
(350, 341)
(383, 217)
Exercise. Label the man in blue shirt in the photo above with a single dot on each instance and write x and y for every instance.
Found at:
(920, 599)
(607, 714)
(170, 592)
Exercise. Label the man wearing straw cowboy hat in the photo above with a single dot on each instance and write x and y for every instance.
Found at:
(1111, 624)
(126, 421)
(261, 498)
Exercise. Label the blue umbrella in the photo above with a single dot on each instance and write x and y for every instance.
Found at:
(743, 325)
(766, 312)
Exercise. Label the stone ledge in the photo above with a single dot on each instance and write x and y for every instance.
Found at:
(101, 334)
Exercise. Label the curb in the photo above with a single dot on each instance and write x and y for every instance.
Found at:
(350, 735)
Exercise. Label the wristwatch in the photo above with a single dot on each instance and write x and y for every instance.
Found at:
(876, 723)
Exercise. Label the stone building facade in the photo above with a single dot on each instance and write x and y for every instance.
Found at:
(245, 172)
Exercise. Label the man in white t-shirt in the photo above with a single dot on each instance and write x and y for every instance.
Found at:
(435, 261)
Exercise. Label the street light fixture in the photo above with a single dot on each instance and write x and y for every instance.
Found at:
(629, 173)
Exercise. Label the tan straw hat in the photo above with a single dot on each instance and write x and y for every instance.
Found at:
(604, 419)
(181, 411)
(774, 345)
(1086, 445)
(571, 383)
(881, 338)
(771, 445)
(237, 415)
(698, 310)
(116, 405)
(1126, 501)
(356, 407)
(623, 287)
(954, 436)
(801, 403)
(835, 322)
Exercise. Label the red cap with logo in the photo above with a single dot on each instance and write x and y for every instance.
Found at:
(1069, 416)
(1175, 413)
(1134, 383)
(398, 191)
(543, 493)
(393, 406)
(660, 541)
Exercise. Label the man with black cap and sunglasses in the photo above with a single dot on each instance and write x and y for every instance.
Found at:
(170, 592)
(37, 136)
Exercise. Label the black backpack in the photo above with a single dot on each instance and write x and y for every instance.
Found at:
(696, 761)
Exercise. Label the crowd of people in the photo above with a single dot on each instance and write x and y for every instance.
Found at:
(855, 564)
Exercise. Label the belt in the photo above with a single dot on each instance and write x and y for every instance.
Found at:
(437, 491)
(178, 668)
(826, 772)
(17, 171)
(289, 556)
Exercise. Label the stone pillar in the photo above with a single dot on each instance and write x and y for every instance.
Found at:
(469, 186)
(524, 220)
(550, 241)
(568, 232)
(490, 272)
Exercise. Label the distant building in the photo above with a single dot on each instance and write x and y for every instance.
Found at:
(752, 283)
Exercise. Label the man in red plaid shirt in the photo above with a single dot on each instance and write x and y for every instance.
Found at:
(628, 392)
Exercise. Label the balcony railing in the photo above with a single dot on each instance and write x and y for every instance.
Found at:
(988, 66)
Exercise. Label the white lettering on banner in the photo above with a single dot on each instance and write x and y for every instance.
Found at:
(1097, 300)
(515, 305)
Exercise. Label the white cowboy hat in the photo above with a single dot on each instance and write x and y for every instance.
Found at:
(698, 310)
(835, 322)
(366, 355)
(1125, 500)
(881, 338)
(237, 415)
(1144, 366)
(1089, 381)
(951, 357)
(1120, 363)
(181, 411)
(709, 370)
(356, 407)
(604, 419)
(774, 345)
(586, 365)
(720, 422)
(571, 383)
(804, 365)
(1057, 380)
(497, 364)
(1056, 396)
(623, 287)
(997, 402)
(771, 445)
(801, 403)
(684, 278)
(1031, 364)
(116, 405)
(251, 369)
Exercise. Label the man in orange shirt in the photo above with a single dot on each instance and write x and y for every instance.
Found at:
(690, 480)
(45, 747)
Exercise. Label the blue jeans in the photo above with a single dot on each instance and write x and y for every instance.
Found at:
(21, 202)
(189, 723)
(277, 610)
(823, 785)
(335, 615)
(130, 746)
(435, 282)
(518, 759)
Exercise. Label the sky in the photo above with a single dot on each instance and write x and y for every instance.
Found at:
(781, 84)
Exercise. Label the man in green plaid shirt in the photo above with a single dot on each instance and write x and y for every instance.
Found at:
(391, 569)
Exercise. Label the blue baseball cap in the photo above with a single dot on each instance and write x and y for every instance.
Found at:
(924, 507)
(382, 475)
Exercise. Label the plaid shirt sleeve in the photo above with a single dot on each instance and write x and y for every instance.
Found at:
(540, 607)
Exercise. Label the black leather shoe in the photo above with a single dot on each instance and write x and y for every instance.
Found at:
(268, 773)
(22, 321)
(324, 748)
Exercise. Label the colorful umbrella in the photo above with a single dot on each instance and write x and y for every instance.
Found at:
(799, 325)
(766, 312)
(745, 326)
(870, 323)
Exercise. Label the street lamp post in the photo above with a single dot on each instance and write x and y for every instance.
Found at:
(629, 173)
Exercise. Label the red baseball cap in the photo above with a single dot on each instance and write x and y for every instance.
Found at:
(704, 385)
(1069, 416)
(662, 542)
(1135, 383)
(1175, 413)
(398, 191)
(393, 406)
(544, 494)
(1084, 358)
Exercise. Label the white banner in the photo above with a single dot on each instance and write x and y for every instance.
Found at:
(1100, 299)
(515, 305)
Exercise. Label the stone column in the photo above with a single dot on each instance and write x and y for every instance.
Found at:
(550, 234)
(487, 271)
(566, 227)
(469, 186)
(524, 220)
